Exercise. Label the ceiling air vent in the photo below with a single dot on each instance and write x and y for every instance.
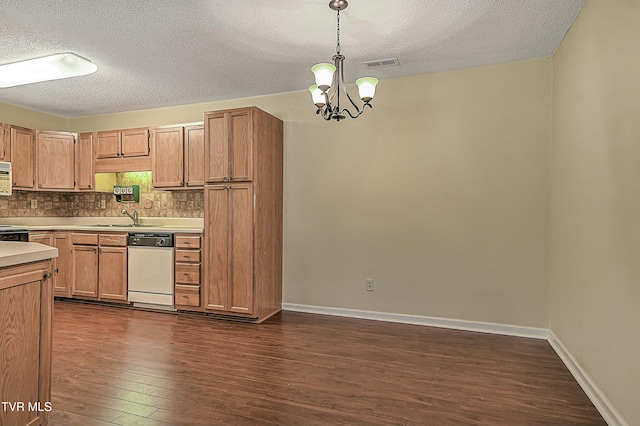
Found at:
(382, 63)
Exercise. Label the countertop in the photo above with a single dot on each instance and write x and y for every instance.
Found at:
(107, 224)
(16, 253)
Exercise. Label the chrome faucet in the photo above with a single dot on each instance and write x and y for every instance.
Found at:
(134, 218)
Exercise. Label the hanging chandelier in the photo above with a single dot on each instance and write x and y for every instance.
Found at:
(330, 82)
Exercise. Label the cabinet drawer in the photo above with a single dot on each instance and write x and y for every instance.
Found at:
(187, 242)
(84, 239)
(188, 256)
(187, 273)
(187, 295)
(115, 240)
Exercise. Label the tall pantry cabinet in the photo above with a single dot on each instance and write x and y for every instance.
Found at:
(243, 213)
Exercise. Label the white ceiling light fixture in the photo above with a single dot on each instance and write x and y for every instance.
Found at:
(330, 78)
(46, 68)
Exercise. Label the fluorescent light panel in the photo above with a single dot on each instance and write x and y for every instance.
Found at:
(54, 67)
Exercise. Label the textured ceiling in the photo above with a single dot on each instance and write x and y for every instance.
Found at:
(155, 53)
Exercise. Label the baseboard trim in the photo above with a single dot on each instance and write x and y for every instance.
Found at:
(599, 400)
(482, 327)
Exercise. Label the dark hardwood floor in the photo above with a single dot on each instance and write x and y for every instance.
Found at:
(128, 367)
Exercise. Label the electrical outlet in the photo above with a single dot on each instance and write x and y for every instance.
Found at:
(369, 284)
(103, 204)
(34, 204)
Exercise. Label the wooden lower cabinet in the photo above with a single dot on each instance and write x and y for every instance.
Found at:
(100, 266)
(188, 282)
(63, 264)
(85, 271)
(26, 309)
(112, 283)
(229, 248)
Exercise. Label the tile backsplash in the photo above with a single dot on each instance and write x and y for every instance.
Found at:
(189, 204)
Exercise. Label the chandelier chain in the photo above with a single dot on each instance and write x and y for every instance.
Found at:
(338, 35)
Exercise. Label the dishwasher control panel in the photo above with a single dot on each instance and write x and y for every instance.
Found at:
(150, 239)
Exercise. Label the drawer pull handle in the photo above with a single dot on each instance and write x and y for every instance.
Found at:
(47, 275)
(185, 296)
(186, 256)
(185, 274)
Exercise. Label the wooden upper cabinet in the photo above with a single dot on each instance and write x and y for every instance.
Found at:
(23, 157)
(108, 144)
(5, 142)
(178, 157)
(56, 160)
(85, 162)
(240, 146)
(168, 157)
(229, 146)
(122, 143)
(194, 155)
(135, 142)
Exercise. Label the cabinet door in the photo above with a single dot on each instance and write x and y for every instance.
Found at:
(135, 142)
(240, 146)
(194, 156)
(23, 158)
(229, 248)
(108, 144)
(241, 248)
(216, 147)
(26, 306)
(113, 273)
(63, 264)
(5, 142)
(85, 162)
(216, 246)
(85, 271)
(168, 157)
(56, 160)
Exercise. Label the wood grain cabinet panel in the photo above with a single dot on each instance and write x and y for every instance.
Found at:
(188, 277)
(187, 296)
(108, 144)
(194, 156)
(85, 170)
(122, 150)
(178, 157)
(229, 146)
(23, 154)
(230, 247)
(56, 160)
(113, 273)
(63, 264)
(242, 260)
(135, 142)
(188, 241)
(5, 142)
(26, 306)
(85, 271)
(168, 157)
(100, 266)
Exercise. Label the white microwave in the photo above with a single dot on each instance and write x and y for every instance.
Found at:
(5, 179)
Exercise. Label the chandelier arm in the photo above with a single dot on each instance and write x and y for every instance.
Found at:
(344, 88)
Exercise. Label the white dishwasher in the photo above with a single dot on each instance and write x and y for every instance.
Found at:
(150, 273)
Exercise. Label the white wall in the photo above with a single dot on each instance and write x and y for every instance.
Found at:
(440, 194)
(595, 205)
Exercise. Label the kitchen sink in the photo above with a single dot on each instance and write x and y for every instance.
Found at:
(127, 226)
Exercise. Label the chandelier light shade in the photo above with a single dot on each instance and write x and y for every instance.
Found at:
(367, 87)
(324, 75)
(330, 82)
